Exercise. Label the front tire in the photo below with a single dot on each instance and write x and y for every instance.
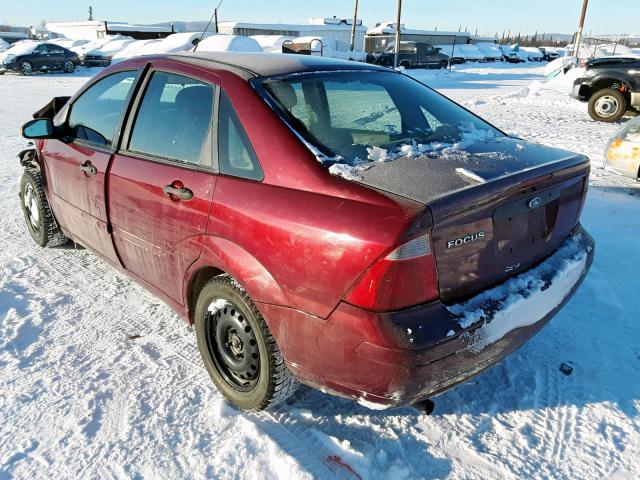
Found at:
(37, 214)
(238, 349)
(607, 105)
(26, 68)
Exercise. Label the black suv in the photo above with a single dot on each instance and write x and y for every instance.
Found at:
(413, 55)
(42, 57)
(611, 85)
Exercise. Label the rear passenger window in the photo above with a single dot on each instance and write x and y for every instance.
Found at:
(235, 153)
(174, 118)
(95, 114)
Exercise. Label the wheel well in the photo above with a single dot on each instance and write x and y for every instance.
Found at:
(620, 85)
(202, 276)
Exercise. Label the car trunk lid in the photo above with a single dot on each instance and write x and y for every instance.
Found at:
(498, 207)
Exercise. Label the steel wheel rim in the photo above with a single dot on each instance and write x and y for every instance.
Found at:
(606, 106)
(26, 68)
(232, 345)
(31, 207)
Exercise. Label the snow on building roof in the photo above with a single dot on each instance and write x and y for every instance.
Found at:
(289, 26)
(388, 28)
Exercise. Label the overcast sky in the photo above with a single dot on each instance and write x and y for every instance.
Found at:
(488, 16)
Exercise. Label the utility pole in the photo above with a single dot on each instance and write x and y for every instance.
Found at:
(397, 49)
(215, 16)
(353, 27)
(576, 48)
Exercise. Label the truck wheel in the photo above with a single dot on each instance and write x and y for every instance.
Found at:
(26, 68)
(37, 214)
(607, 105)
(238, 349)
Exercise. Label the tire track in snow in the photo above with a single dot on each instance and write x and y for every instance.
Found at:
(73, 268)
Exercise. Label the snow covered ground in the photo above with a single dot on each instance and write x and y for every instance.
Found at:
(99, 379)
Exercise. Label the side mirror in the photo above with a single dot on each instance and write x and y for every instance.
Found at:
(38, 128)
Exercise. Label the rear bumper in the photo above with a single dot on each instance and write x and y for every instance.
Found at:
(420, 352)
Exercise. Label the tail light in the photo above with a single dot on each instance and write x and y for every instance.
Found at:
(405, 277)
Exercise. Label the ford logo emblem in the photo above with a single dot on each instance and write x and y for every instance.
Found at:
(535, 202)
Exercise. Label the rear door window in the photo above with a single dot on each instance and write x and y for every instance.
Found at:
(174, 118)
(95, 115)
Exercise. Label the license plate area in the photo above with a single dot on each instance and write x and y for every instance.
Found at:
(523, 228)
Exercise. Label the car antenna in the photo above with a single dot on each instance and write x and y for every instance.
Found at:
(215, 14)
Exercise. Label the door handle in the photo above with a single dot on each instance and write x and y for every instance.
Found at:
(183, 193)
(88, 169)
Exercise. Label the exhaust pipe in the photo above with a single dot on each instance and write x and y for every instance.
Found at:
(425, 406)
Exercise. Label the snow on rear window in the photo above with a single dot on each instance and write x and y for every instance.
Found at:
(352, 120)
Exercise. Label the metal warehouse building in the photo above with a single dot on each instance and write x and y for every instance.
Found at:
(336, 28)
(383, 34)
(92, 30)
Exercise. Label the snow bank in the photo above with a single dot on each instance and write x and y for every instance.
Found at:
(271, 43)
(525, 299)
(229, 43)
(561, 84)
(97, 44)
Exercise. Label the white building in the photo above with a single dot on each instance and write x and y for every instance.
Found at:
(338, 29)
(93, 30)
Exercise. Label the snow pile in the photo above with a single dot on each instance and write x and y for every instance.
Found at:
(136, 49)
(67, 43)
(350, 170)
(271, 43)
(97, 44)
(175, 43)
(561, 84)
(489, 50)
(525, 299)
(110, 48)
(228, 43)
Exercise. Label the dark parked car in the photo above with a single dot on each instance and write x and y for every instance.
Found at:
(413, 55)
(38, 57)
(611, 85)
(208, 179)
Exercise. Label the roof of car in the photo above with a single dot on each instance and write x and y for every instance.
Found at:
(251, 65)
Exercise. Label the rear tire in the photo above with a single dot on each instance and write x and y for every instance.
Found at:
(69, 66)
(607, 105)
(405, 64)
(37, 214)
(444, 64)
(238, 349)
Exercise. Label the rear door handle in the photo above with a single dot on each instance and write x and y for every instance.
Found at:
(183, 193)
(88, 169)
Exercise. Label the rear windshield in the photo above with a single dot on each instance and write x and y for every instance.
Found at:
(360, 117)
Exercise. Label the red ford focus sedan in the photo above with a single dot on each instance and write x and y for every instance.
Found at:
(318, 221)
